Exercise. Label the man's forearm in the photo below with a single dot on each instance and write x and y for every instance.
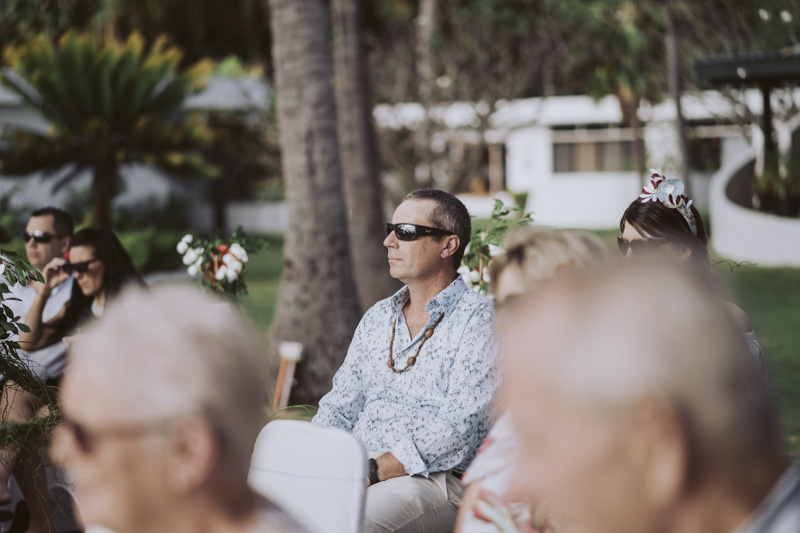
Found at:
(389, 467)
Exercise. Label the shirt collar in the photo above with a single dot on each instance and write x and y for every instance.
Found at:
(445, 301)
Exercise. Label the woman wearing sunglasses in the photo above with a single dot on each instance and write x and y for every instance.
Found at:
(100, 266)
(662, 222)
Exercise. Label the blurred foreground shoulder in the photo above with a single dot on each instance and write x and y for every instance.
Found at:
(739, 317)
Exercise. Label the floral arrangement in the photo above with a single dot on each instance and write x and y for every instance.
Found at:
(485, 244)
(222, 262)
(668, 191)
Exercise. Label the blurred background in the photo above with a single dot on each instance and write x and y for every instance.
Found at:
(160, 117)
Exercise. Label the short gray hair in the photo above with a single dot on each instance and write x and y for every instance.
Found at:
(449, 214)
(176, 351)
(679, 343)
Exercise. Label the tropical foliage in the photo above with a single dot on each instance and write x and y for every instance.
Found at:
(486, 243)
(14, 365)
(109, 103)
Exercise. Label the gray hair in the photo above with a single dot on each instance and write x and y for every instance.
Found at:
(539, 253)
(175, 351)
(649, 329)
(449, 214)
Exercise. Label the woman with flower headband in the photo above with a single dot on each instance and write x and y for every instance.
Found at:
(531, 256)
(663, 222)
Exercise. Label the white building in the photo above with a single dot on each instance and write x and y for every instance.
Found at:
(574, 158)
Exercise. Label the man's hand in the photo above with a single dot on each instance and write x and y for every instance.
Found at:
(54, 274)
(389, 467)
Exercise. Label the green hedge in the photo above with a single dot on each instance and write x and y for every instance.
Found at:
(152, 249)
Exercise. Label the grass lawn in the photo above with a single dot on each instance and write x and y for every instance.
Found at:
(263, 278)
(771, 296)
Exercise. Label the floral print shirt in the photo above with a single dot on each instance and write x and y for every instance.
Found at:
(433, 416)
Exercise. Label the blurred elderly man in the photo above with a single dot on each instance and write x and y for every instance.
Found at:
(162, 405)
(640, 410)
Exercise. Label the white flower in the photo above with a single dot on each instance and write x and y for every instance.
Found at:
(477, 288)
(182, 247)
(188, 238)
(649, 190)
(236, 266)
(2, 268)
(764, 14)
(190, 257)
(786, 16)
(466, 250)
(669, 191)
(486, 275)
(221, 273)
(228, 259)
(237, 251)
(232, 275)
(494, 251)
(192, 270)
(474, 277)
(463, 270)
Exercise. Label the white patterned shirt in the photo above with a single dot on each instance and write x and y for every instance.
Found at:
(433, 416)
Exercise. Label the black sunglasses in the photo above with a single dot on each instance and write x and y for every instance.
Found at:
(42, 237)
(80, 268)
(639, 246)
(409, 232)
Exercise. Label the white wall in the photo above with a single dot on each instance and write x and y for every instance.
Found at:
(565, 199)
(140, 182)
(744, 234)
(256, 217)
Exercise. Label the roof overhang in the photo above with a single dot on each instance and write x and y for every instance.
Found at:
(777, 67)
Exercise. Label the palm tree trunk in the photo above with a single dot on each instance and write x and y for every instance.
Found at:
(105, 172)
(357, 149)
(427, 23)
(317, 303)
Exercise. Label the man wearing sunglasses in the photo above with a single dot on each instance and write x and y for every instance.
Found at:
(417, 384)
(47, 236)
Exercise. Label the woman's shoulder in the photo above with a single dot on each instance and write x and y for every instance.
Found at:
(739, 317)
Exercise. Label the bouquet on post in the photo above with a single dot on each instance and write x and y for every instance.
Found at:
(221, 262)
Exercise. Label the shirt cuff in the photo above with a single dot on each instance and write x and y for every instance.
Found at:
(406, 452)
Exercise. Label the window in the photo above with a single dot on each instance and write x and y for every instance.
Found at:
(592, 148)
(605, 156)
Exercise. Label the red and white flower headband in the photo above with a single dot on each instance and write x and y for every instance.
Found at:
(669, 191)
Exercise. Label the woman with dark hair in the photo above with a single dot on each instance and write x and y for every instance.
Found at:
(663, 222)
(101, 267)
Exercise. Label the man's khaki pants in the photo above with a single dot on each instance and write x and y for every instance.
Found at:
(413, 504)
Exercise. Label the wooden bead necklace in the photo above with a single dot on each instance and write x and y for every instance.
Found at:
(413, 358)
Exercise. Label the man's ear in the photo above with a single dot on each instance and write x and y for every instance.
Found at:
(451, 244)
(192, 454)
(663, 451)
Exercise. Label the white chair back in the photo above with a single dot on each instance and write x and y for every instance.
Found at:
(318, 475)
